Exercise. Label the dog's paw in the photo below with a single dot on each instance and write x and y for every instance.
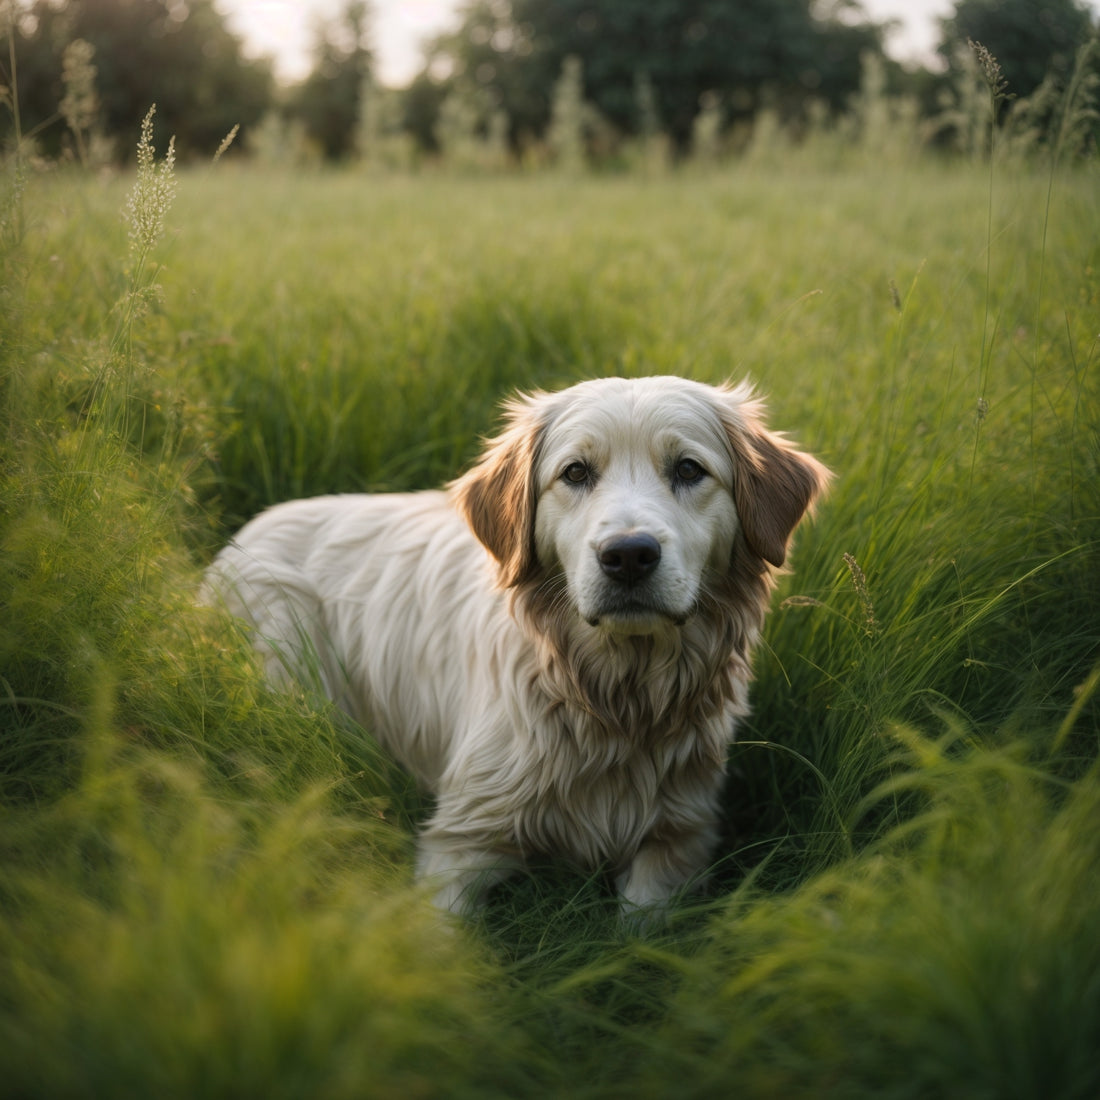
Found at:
(642, 920)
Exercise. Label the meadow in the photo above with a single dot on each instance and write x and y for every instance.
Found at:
(205, 886)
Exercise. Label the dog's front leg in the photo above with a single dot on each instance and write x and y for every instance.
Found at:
(665, 864)
(460, 875)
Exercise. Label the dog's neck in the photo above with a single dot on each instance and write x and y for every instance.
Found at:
(646, 688)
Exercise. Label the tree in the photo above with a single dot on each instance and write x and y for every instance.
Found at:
(328, 100)
(178, 54)
(1029, 38)
(421, 104)
(748, 51)
(491, 53)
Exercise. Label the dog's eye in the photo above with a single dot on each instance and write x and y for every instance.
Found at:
(577, 473)
(688, 471)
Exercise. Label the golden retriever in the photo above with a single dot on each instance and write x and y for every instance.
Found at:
(558, 645)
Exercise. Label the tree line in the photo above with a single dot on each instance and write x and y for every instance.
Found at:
(504, 75)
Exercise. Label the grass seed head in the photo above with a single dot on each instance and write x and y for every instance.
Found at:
(991, 71)
(79, 104)
(153, 191)
(863, 594)
(226, 142)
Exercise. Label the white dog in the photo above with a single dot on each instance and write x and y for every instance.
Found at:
(558, 647)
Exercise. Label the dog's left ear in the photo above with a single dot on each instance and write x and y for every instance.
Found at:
(774, 484)
(497, 496)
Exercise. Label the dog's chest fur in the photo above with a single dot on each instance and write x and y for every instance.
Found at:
(595, 794)
(589, 767)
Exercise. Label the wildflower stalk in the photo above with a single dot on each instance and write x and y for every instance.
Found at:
(12, 223)
(566, 135)
(997, 88)
(13, 261)
(146, 209)
(863, 594)
(80, 103)
(226, 142)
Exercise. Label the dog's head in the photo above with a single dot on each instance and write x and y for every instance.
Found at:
(639, 494)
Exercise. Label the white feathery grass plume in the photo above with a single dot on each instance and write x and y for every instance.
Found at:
(153, 191)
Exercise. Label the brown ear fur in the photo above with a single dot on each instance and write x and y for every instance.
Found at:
(497, 496)
(774, 484)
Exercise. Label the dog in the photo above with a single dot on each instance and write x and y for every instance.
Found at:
(557, 646)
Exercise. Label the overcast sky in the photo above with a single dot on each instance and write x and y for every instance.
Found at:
(283, 29)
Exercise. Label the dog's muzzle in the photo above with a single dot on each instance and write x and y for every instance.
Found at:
(631, 601)
(629, 559)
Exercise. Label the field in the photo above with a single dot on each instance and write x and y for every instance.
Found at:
(205, 887)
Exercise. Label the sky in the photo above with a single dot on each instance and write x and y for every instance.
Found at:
(282, 29)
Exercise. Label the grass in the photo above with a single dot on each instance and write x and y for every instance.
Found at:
(205, 887)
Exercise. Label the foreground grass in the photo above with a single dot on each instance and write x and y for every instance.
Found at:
(205, 887)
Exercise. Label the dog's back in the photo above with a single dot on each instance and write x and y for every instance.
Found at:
(371, 598)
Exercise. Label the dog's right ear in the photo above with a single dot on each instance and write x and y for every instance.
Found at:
(497, 496)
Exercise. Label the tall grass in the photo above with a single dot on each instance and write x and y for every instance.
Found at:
(205, 887)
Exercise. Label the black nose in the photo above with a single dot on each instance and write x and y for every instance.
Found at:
(629, 558)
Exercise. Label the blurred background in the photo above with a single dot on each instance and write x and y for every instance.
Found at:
(506, 84)
(206, 885)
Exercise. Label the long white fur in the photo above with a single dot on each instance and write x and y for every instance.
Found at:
(549, 709)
